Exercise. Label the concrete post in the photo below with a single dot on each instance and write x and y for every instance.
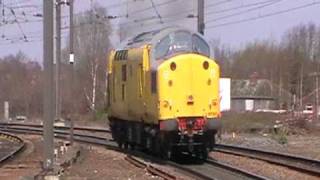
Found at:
(6, 111)
(48, 84)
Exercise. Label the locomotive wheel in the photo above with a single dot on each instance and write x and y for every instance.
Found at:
(126, 145)
(211, 141)
(132, 146)
(149, 143)
(167, 151)
(156, 145)
(169, 154)
(119, 139)
(120, 144)
(204, 153)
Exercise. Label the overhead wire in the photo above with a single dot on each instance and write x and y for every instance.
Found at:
(265, 15)
(132, 23)
(167, 15)
(19, 25)
(16, 14)
(244, 11)
(264, 4)
(156, 11)
(152, 6)
(218, 3)
(237, 7)
(18, 19)
(213, 12)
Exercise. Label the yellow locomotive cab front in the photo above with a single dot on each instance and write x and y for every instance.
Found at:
(188, 87)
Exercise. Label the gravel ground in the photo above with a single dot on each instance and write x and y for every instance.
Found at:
(25, 164)
(307, 145)
(100, 163)
(93, 163)
(262, 168)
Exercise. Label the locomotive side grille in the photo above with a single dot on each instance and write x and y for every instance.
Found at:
(154, 81)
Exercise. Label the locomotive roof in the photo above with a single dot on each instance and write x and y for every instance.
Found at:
(154, 37)
(150, 37)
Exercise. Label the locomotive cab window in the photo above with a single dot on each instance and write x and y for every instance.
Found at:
(200, 46)
(162, 48)
(172, 44)
(179, 42)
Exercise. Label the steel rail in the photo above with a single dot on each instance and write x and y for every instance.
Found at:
(150, 168)
(39, 131)
(198, 174)
(298, 163)
(19, 148)
(240, 172)
(208, 170)
(80, 128)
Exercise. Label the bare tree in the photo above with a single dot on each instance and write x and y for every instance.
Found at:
(286, 64)
(20, 84)
(91, 50)
(93, 65)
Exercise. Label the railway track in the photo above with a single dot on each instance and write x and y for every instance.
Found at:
(150, 168)
(301, 164)
(211, 169)
(298, 163)
(11, 145)
(62, 134)
(80, 128)
(206, 170)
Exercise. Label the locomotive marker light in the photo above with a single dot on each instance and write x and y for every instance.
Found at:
(209, 82)
(173, 66)
(205, 65)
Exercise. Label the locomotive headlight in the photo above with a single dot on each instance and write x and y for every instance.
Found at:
(190, 98)
(205, 65)
(173, 66)
(166, 104)
(214, 102)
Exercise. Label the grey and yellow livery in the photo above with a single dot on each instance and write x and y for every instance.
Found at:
(164, 93)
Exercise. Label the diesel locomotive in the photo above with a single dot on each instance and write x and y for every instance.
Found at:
(163, 91)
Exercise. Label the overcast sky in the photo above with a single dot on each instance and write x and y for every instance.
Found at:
(233, 22)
